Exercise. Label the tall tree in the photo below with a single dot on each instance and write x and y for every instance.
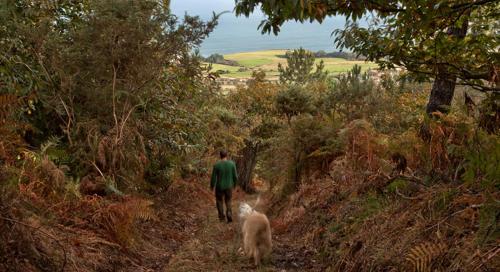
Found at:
(300, 66)
(450, 41)
(255, 104)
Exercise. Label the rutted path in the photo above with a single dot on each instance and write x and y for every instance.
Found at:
(216, 247)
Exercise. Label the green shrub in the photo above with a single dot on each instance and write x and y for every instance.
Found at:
(489, 222)
(481, 165)
(294, 100)
(397, 185)
(371, 205)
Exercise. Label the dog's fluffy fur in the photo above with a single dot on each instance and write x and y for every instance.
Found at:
(256, 232)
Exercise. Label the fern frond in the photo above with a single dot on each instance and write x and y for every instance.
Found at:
(422, 256)
(144, 210)
(51, 142)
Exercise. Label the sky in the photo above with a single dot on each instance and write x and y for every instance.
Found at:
(203, 8)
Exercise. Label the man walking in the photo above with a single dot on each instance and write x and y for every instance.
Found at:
(224, 179)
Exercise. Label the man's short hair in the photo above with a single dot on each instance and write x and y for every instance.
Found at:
(223, 154)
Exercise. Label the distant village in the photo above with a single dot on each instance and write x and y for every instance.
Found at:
(374, 74)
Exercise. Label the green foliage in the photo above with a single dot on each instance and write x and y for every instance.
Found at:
(245, 115)
(364, 207)
(397, 185)
(254, 110)
(334, 228)
(481, 161)
(256, 99)
(307, 144)
(215, 58)
(110, 89)
(115, 81)
(423, 41)
(355, 95)
(417, 35)
(299, 68)
(349, 118)
(227, 117)
(350, 93)
(55, 152)
(371, 204)
(489, 113)
(219, 59)
(313, 135)
(268, 61)
(293, 101)
(443, 199)
(224, 130)
(489, 226)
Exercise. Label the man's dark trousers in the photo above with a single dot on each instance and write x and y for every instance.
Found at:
(222, 196)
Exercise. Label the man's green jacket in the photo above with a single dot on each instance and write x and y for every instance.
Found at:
(224, 175)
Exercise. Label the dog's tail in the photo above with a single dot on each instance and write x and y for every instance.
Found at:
(245, 210)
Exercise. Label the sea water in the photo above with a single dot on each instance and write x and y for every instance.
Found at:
(240, 34)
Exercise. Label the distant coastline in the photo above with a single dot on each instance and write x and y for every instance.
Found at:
(218, 57)
(241, 34)
(236, 35)
(235, 68)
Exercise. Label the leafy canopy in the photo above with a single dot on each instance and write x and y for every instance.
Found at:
(414, 34)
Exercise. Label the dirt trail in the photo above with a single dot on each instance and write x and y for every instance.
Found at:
(216, 247)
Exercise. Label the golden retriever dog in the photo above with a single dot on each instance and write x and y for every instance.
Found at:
(256, 232)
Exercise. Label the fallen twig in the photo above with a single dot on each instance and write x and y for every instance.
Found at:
(453, 214)
(490, 256)
(406, 197)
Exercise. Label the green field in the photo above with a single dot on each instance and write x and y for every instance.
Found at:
(268, 61)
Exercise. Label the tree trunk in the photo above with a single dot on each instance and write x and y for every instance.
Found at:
(442, 92)
(443, 87)
(297, 170)
(245, 164)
